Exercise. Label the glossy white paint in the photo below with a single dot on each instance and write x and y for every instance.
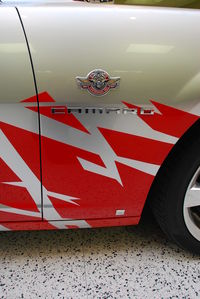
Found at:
(16, 78)
(155, 51)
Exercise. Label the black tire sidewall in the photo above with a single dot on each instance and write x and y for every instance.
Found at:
(183, 170)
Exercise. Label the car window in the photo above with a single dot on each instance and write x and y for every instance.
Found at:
(165, 3)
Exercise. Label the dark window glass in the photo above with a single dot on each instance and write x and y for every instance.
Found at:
(165, 3)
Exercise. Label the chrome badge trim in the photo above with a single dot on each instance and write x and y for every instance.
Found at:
(98, 82)
(108, 110)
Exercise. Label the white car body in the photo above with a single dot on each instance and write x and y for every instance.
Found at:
(94, 166)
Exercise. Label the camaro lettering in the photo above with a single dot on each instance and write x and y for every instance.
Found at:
(111, 110)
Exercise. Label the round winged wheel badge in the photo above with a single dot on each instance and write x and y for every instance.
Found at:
(98, 82)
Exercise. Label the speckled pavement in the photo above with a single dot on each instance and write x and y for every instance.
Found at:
(127, 262)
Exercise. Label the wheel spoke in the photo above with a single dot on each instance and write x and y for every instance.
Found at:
(193, 197)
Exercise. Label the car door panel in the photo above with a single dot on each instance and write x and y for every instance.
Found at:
(101, 154)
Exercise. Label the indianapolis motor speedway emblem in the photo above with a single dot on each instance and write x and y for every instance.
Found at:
(98, 82)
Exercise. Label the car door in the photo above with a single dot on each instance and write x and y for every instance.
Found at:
(20, 186)
(101, 147)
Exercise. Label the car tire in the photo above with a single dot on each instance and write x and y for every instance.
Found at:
(174, 196)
